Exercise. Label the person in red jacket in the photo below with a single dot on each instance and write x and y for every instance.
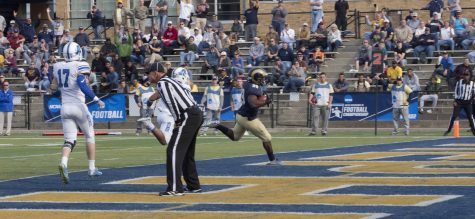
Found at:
(169, 39)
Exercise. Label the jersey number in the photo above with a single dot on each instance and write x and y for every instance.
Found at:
(61, 73)
(377, 58)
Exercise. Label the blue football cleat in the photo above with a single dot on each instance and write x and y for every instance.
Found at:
(94, 173)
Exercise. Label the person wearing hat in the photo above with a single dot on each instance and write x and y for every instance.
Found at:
(213, 99)
(198, 37)
(108, 49)
(426, 44)
(121, 16)
(97, 21)
(404, 34)
(252, 20)
(27, 27)
(155, 51)
(459, 23)
(82, 39)
(169, 39)
(279, 14)
(415, 22)
(12, 28)
(224, 63)
(317, 13)
(431, 93)
(272, 34)
(215, 23)
(469, 39)
(400, 101)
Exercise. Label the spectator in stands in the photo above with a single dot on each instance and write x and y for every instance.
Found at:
(211, 60)
(140, 14)
(188, 56)
(66, 38)
(271, 52)
(305, 52)
(137, 35)
(169, 39)
(363, 56)
(421, 29)
(446, 37)
(2, 79)
(209, 38)
(6, 107)
(169, 68)
(252, 20)
(223, 42)
(303, 36)
(278, 73)
(410, 79)
(121, 16)
(197, 36)
(155, 33)
(58, 27)
(4, 44)
(334, 38)
(237, 65)
(378, 21)
(296, 78)
(83, 40)
(108, 50)
(341, 85)
(112, 80)
(458, 72)
(318, 58)
(469, 38)
(400, 96)
(317, 13)
(286, 55)
(434, 6)
(27, 27)
(303, 63)
(224, 63)
(435, 24)
(288, 36)
(3, 69)
(124, 44)
(453, 6)
(400, 54)
(46, 35)
(415, 22)
(98, 64)
(186, 8)
(138, 52)
(43, 52)
(45, 76)
(213, 99)
(130, 71)
(272, 34)
(118, 64)
(256, 52)
(279, 14)
(432, 90)
(445, 66)
(393, 72)
(183, 33)
(122, 88)
(16, 43)
(233, 48)
(155, 51)
(376, 36)
(3, 23)
(97, 21)
(426, 44)
(215, 23)
(361, 85)
(321, 98)
(404, 34)
(31, 78)
(341, 10)
(319, 39)
(162, 14)
(11, 63)
(459, 23)
(13, 27)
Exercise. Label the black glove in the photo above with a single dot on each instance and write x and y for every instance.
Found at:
(149, 103)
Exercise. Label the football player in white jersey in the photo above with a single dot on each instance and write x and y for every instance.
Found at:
(70, 79)
(164, 117)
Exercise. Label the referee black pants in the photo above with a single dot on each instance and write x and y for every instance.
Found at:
(468, 110)
(181, 152)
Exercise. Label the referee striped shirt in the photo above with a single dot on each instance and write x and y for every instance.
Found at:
(177, 98)
(464, 91)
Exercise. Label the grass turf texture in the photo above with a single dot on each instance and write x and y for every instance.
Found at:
(33, 155)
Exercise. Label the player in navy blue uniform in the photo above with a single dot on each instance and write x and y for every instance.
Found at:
(246, 118)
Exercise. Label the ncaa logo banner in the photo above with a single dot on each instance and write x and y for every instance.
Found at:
(362, 107)
(113, 112)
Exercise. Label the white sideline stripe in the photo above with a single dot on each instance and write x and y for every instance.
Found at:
(340, 169)
(43, 145)
(441, 199)
(39, 155)
(6, 145)
(115, 158)
(448, 157)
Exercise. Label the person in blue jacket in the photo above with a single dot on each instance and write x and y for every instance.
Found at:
(6, 107)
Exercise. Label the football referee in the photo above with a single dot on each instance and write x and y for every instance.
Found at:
(188, 119)
(464, 95)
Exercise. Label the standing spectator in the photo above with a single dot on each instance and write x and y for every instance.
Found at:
(334, 38)
(46, 35)
(447, 35)
(6, 108)
(237, 65)
(321, 98)
(162, 14)
(410, 79)
(213, 99)
(169, 39)
(286, 55)
(303, 36)
(363, 56)
(155, 51)
(97, 21)
(272, 52)
(3, 23)
(454, 6)
(141, 97)
(400, 95)
(31, 78)
(83, 40)
(188, 56)
(201, 15)
(27, 28)
(288, 36)
(459, 23)
(341, 85)
(58, 27)
(256, 51)
(361, 85)
(318, 58)
(272, 34)
(469, 39)
(464, 94)
(138, 52)
(341, 10)
(394, 72)
(121, 16)
(432, 90)
(279, 14)
(434, 6)
(251, 20)
(186, 8)
(140, 13)
(425, 44)
(404, 34)
(317, 13)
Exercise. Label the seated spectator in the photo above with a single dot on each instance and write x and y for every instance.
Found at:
(414, 23)
(223, 42)
(400, 54)
(302, 61)
(108, 50)
(376, 36)
(404, 34)
(112, 80)
(256, 52)
(286, 55)
(211, 61)
(390, 41)
(131, 72)
(46, 35)
(215, 23)
(459, 23)
(319, 38)
(155, 33)
(93, 83)
(224, 63)
(421, 29)
(98, 64)
(209, 38)
(469, 39)
(4, 44)
(236, 27)
(387, 29)
(45, 77)
(137, 35)
(183, 33)
(288, 36)
(188, 56)
(118, 65)
(272, 34)
(65, 38)
(303, 36)
(363, 56)
(435, 25)
(305, 52)
(169, 39)
(432, 90)
(233, 48)
(341, 85)
(83, 40)
(237, 66)
(272, 52)
(3, 69)
(11, 63)
(31, 78)
(410, 79)
(43, 52)
(361, 85)
(197, 36)
(334, 38)
(155, 51)
(296, 78)
(378, 21)
(446, 38)
(16, 43)
(318, 58)
(278, 73)
(122, 88)
(471, 57)
(426, 44)
(394, 72)
(138, 52)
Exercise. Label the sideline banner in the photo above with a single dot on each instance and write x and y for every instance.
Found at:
(362, 107)
(113, 112)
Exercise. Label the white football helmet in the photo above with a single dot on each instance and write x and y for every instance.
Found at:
(72, 52)
(181, 74)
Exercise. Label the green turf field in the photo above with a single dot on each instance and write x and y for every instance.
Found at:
(33, 155)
